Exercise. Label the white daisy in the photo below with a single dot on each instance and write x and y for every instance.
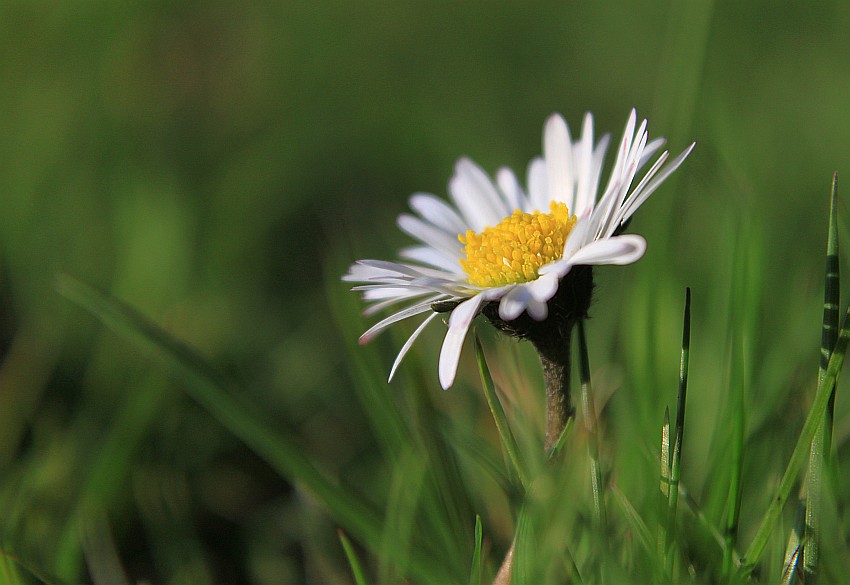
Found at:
(500, 242)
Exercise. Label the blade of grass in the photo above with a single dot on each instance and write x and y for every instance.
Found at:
(794, 550)
(664, 485)
(475, 572)
(524, 552)
(819, 453)
(815, 416)
(676, 456)
(562, 440)
(217, 395)
(10, 574)
(505, 433)
(353, 561)
(404, 496)
(737, 390)
(600, 513)
(639, 527)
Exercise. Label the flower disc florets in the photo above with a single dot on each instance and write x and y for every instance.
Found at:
(512, 251)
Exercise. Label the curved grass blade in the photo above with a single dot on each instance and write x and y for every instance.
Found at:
(217, 395)
(505, 433)
(816, 415)
(353, 561)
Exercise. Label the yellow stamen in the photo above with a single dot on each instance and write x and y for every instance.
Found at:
(515, 249)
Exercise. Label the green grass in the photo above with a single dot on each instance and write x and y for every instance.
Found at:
(191, 404)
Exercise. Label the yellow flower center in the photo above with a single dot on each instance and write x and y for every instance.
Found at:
(514, 250)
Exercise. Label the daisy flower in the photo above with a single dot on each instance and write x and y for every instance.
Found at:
(522, 256)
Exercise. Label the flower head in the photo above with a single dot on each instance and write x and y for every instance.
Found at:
(513, 252)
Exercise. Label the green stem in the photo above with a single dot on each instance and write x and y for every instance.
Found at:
(555, 359)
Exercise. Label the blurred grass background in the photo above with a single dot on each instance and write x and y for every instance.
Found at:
(218, 164)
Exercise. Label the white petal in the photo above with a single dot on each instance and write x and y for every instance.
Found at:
(537, 310)
(432, 257)
(378, 327)
(459, 323)
(438, 212)
(538, 188)
(475, 196)
(558, 152)
(544, 288)
(622, 152)
(584, 165)
(578, 237)
(511, 189)
(409, 343)
(650, 150)
(638, 199)
(514, 303)
(617, 250)
(429, 234)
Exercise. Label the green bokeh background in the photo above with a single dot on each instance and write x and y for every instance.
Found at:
(217, 165)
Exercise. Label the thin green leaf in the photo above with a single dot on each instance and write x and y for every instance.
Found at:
(794, 549)
(524, 551)
(475, 572)
(353, 561)
(600, 513)
(220, 398)
(505, 433)
(816, 415)
(737, 391)
(634, 520)
(399, 522)
(676, 455)
(555, 450)
(664, 485)
(10, 574)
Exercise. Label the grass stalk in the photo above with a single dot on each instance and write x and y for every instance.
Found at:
(600, 513)
(475, 572)
(505, 434)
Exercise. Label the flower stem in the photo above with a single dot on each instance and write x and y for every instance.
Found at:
(555, 359)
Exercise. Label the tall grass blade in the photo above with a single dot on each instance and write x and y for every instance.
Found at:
(475, 572)
(794, 550)
(638, 526)
(600, 513)
(217, 395)
(737, 389)
(399, 519)
(819, 454)
(676, 455)
(524, 552)
(505, 434)
(353, 561)
(816, 415)
(10, 574)
(562, 440)
(664, 486)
